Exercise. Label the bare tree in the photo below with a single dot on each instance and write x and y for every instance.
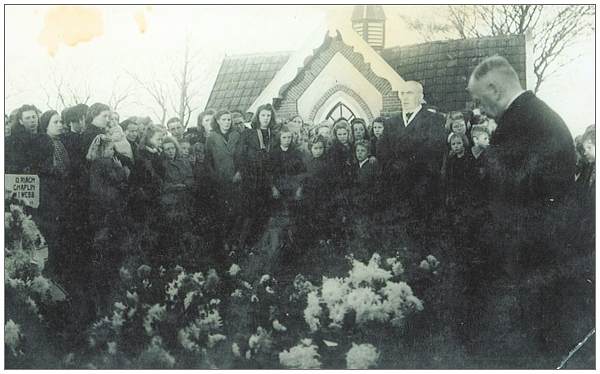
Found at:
(158, 91)
(62, 92)
(177, 92)
(119, 93)
(190, 74)
(553, 29)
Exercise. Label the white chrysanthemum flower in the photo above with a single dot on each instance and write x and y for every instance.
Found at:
(362, 273)
(424, 265)
(157, 355)
(131, 312)
(367, 305)
(270, 290)
(234, 269)
(212, 278)
(12, 336)
(264, 278)
(155, 313)
(433, 261)
(198, 278)
(260, 341)
(117, 319)
(235, 348)
(16, 282)
(173, 287)
(189, 297)
(362, 356)
(213, 339)
(337, 313)
(399, 300)
(248, 354)
(375, 259)
(237, 293)
(32, 304)
(120, 306)
(312, 311)
(40, 285)
(247, 285)
(254, 299)
(414, 303)
(211, 320)
(334, 290)
(302, 356)
(278, 326)
(396, 265)
(112, 348)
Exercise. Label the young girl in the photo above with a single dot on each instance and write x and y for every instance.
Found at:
(107, 210)
(457, 174)
(455, 122)
(252, 157)
(315, 195)
(300, 139)
(341, 156)
(287, 171)
(220, 163)
(147, 177)
(359, 130)
(178, 180)
(479, 179)
(366, 183)
(342, 171)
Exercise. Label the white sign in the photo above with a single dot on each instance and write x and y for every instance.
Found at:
(23, 187)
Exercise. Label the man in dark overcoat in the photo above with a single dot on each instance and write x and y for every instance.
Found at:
(531, 165)
(416, 138)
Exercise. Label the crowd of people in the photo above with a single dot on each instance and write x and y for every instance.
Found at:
(230, 179)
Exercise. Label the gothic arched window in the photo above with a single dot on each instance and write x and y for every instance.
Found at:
(340, 110)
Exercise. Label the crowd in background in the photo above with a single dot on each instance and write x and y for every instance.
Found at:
(234, 180)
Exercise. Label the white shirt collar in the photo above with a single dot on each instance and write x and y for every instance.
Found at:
(364, 162)
(414, 113)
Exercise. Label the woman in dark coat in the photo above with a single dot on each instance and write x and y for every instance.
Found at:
(253, 161)
(53, 177)
(341, 163)
(221, 147)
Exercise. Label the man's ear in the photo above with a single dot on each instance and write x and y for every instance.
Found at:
(494, 91)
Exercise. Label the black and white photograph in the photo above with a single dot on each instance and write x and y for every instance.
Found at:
(299, 186)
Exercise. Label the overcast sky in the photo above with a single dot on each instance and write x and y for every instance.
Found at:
(147, 40)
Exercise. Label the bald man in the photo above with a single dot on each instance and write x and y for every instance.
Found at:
(416, 139)
(531, 166)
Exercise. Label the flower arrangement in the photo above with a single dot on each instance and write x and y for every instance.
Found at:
(301, 356)
(13, 337)
(369, 292)
(362, 356)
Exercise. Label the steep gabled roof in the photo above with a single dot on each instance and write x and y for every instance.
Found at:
(242, 78)
(314, 41)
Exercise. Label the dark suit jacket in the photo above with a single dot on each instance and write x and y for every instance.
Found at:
(531, 155)
(418, 149)
(254, 162)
